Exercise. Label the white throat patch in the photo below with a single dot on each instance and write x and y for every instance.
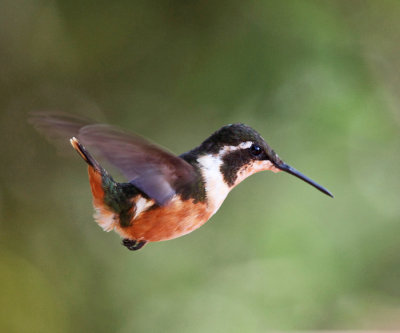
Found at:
(210, 165)
(216, 187)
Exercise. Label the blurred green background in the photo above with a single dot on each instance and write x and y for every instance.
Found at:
(319, 80)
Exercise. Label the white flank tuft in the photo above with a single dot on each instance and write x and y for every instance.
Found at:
(142, 204)
(105, 218)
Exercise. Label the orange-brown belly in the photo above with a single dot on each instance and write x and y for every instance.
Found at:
(162, 223)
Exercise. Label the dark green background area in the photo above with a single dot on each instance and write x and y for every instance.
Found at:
(318, 79)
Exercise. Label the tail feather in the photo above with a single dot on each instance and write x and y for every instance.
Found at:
(85, 154)
(104, 215)
(110, 201)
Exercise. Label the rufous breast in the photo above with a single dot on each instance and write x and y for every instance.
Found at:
(160, 223)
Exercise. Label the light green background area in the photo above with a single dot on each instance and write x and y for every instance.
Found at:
(318, 79)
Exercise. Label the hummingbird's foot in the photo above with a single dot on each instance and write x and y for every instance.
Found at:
(133, 245)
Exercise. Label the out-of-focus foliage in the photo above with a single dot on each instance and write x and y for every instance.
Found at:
(319, 80)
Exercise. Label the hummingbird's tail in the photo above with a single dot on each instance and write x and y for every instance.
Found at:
(85, 155)
(102, 186)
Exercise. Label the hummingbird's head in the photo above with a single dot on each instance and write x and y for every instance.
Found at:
(237, 151)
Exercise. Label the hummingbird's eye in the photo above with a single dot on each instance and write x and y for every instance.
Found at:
(255, 150)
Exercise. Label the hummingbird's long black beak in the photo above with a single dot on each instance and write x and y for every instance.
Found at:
(287, 168)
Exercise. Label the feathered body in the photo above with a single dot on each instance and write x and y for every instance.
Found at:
(167, 196)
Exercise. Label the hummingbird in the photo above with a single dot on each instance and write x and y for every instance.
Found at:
(166, 196)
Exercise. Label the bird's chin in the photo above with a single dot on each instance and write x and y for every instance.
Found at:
(266, 166)
(253, 168)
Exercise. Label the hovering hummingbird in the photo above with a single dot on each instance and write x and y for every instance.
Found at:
(167, 196)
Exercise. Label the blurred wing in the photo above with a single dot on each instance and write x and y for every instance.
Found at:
(57, 125)
(150, 168)
(153, 170)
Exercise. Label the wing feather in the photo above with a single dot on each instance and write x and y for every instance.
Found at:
(152, 169)
(147, 166)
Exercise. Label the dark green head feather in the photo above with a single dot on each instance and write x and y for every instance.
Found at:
(229, 135)
(233, 135)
